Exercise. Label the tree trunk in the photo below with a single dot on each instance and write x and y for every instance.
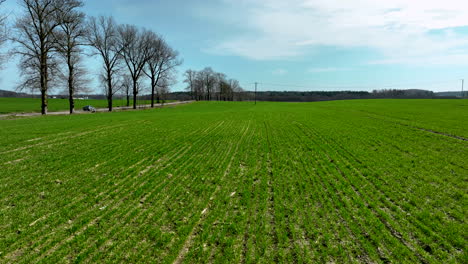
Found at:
(128, 99)
(44, 85)
(44, 102)
(109, 91)
(109, 102)
(71, 90)
(135, 94)
(153, 86)
(70, 99)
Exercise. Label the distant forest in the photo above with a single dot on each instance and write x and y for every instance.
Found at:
(283, 96)
(312, 96)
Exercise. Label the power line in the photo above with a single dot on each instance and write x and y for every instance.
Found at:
(463, 83)
(356, 86)
(256, 93)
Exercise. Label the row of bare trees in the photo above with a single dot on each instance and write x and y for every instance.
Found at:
(3, 31)
(52, 36)
(210, 85)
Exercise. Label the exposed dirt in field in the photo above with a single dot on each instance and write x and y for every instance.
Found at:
(443, 134)
(14, 161)
(56, 141)
(203, 215)
(100, 110)
(422, 129)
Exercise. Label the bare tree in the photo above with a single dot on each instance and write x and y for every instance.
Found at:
(115, 84)
(103, 36)
(127, 84)
(3, 32)
(208, 84)
(221, 85)
(69, 37)
(200, 87)
(34, 36)
(209, 79)
(135, 49)
(31, 75)
(190, 79)
(235, 88)
(224, 90)
(153, 64)
(162, 62)
(80, 81)
(166, 80)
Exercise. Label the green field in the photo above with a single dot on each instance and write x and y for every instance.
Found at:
(364, 181)
(33, 105)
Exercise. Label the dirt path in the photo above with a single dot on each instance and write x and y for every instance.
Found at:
(101, 110)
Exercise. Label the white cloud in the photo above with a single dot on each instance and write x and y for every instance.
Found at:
(280, 72)
(278, 29)
(434, 60)
(326, 69)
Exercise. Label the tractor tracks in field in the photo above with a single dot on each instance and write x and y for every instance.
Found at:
(323, 180)
(142, 178)
(60, 140)
(253, 210)
(379, 216)
(121, 190)
(392, 120)
(438, 133)
(382, 250)
(156, 191)
(271, 195)
(188, 243)
(411, 241)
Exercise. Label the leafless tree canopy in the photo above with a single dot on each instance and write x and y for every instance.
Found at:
(166, 80)
(126, 87)
(103, 36)
(36, 36)
(3, 31)
(210, 85)
(69, 38)
(57, 27)
(160, 67)
(135, 50)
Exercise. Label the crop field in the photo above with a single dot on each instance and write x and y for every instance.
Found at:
(30, 105)
(364, 181)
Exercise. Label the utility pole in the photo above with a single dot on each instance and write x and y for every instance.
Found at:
(256, 92)
(463, 83)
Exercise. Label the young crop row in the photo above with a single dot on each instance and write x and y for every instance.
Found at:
(232, 182)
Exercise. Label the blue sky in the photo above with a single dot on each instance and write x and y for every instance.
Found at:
(302, 44)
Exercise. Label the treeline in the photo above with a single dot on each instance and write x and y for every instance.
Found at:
(410, 93)
(298, 96)
(210, 85)
(287, 96)
(4, 93)
(51, 37)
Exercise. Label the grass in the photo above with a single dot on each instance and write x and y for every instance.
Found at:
(374, 181)
(33, 105)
